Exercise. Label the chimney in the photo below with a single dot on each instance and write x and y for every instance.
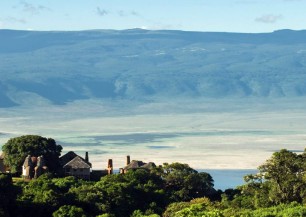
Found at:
(110, 166)
(86, 156)
(128, 160)
(121, 170)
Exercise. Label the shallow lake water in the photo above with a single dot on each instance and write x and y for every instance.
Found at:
(221, 140)
(224, 179)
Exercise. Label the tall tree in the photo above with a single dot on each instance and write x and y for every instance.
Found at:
(285, 172)
(185, 183)
(16, 150)
(281, 178)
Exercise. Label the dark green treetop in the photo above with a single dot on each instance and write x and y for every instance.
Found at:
(16, 150)
(183, 183)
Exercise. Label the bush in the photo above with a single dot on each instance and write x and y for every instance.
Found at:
(69, 211)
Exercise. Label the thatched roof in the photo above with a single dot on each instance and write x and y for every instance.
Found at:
(149, 166)
(67, 157)
(28, 161)
(77, 163)
(136, 164)
(70, 156)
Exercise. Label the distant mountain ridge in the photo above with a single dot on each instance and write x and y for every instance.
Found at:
(59, 67)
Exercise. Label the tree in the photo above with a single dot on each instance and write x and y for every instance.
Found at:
(281, 179)
(121, 194)
(197, 207)
(184, 183)
(42, 191)
(138, 213)
(69, 211)
(8, 194)
(16, 150)
(285, 171)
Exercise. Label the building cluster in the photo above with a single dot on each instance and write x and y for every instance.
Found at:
(136, 164)
(74, 165)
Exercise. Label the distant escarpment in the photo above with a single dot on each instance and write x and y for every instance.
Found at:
(60, 67)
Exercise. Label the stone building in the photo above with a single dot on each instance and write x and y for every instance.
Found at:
(40, 167)
(136, 164)
(33, 167)
(75, 165)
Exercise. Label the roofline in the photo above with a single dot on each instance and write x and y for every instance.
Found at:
(81, 158)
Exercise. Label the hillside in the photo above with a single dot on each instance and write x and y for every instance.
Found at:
(141, 65)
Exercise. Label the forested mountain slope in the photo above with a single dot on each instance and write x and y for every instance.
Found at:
(59, 67)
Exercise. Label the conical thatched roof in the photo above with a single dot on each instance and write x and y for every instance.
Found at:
(77, 163)
(149, 166)
(67, 157)
(136, 164)
(28, 161)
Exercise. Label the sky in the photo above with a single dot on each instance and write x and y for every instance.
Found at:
(189, 15)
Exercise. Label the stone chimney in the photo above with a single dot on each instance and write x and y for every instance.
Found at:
(110, 166)
(121, 170)
(86, 156)
(128, 160)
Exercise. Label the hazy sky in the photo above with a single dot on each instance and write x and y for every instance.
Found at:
(191, 15)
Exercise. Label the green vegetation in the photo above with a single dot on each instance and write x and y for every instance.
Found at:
(17, 149)
(203, 207)
(170, 190)
(69, 211)
(8, 193)
(184, 183)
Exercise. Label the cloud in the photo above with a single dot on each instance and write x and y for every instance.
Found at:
(123, 13)
(134, 13)
(14, 20)
(101, 12)
(32, 9)
(269, 18)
